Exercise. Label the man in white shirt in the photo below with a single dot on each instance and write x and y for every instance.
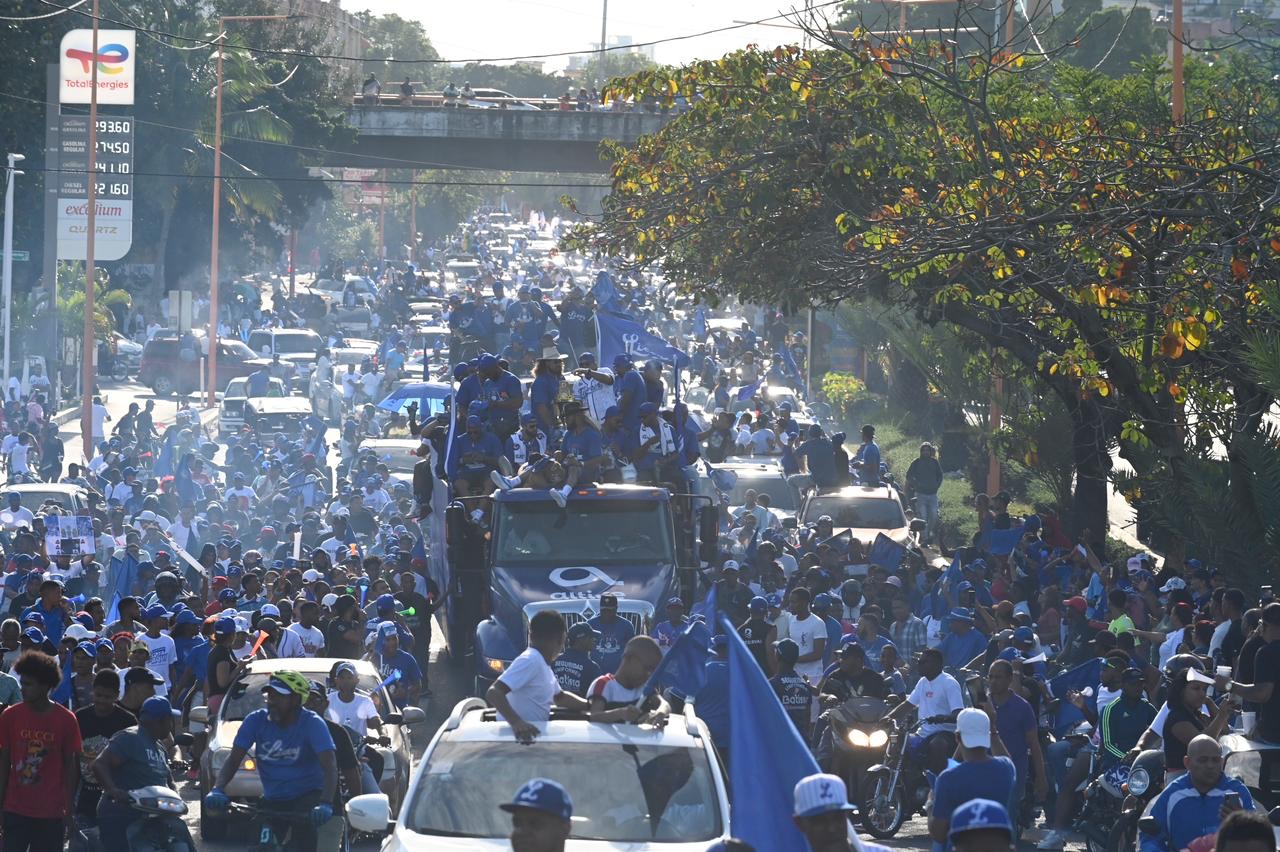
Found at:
(15, 515)
(938, 700)
(371, 381)
(524, 693)
(99, 416)
(750, 506)
(594, 388)
(350, 380)
(376, 497)
(305, 629)
(809, 632)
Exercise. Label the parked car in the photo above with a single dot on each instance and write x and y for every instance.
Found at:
(864, 511)
(167, 366)
(268, 416)
(299, 347)
(36, 494)
(634, 787)
(763, 479)
(245, 696)
(231, 409)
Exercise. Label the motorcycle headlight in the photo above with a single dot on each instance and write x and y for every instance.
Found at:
(878, 739)
(859, 739)
(1139, 781)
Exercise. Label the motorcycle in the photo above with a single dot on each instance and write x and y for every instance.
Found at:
(1100, 808)
(858, 740)
(896, 788)
(1146, 780)
(160, 828)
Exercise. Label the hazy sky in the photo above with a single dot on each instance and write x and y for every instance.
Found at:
(493, 28)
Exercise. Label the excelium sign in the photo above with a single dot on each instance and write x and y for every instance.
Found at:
(115, 62)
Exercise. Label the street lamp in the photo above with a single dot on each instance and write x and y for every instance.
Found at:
(11, 175)
(212, 337)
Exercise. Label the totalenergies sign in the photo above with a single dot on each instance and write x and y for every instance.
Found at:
(115, 60)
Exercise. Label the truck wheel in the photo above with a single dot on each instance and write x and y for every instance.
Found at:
(163, 386)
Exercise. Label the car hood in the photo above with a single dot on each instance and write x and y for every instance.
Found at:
(867, 535)
(225, 734)
(403, 840)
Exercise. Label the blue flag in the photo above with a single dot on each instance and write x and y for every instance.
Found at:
(605, 291)
(1087, 674)
(124, 571)
(700, 323)
(163, 465)
(684, 668)
(886, 553)
(619, 334)
(789, 361)
(707, 610)
(768, 756)
(1002, 542)
(745, 392)
(419, 549)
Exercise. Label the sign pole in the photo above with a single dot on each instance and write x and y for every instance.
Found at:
(212, 337)
(7, 271)
(53, 164)
(90, 337)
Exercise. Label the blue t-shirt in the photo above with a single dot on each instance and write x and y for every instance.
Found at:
(620, 443)
(53, 624)
(958, 650)
(505, 386)
(712, 702)
(487, 444)
(955, 786)
(575, 671)
(613, 638)
(821, 459)
(630, 383)
(288, 757)
(543, 392)
(1013, 719)
(586, 444)
(198, 662)
(468, 390)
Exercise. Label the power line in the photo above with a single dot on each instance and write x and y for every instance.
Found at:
(439, 61)
(308, 178)
(46, 16)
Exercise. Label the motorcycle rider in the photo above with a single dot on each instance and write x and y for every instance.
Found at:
(329, 835)
(135, 757)
(851, 679)
(938, 700)
(1194, 804)
(296, 762)
(1123, 720)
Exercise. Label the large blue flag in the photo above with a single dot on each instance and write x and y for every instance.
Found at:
(619, 334)
(886, 553)
(768, 756)
(124, 571)
(707, 610)
(684, 668)
(1002, 542)
(789, 361)
(746, 392)
(700, 323)
(1086, 675)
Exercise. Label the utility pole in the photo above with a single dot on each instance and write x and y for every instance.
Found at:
(1177, 34)
(12, 175)
(604, 53)
(89, 348)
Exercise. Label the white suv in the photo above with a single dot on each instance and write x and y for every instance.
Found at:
(634, 787)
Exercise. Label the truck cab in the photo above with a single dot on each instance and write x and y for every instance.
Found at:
(516, 553)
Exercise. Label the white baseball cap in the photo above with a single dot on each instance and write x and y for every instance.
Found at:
(310, 575)
(329, 600)
(1173, 583)
(820, 794)
(973, 727)
(269, 611)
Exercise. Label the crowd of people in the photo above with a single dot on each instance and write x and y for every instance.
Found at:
(199, 555)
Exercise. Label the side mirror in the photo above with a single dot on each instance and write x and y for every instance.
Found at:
(199, 714)
(1149, 825)
(918, 525)
(370, 813)
(413, 716)
(183, 739)
(708, 533)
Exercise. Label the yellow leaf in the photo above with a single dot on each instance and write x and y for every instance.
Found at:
(672, 86)
(1195, 334)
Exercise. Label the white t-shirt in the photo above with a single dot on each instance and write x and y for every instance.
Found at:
(595, 395)
(163, 655)
(18, 458)
(99, 416)
(763, 440)
(371, 381)
(245, 492)
(13, 519)
(312, 638)
(1170, 645)
(290, 645)
(349, 381)
(607, 688)
(938, 697)
(805, 632)
(533, 686)
(354, 714)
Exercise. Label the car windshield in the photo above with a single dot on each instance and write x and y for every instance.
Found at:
(621, 793)
(287, 344)
(397, 459)
(237, 348)
(781, 497)
(588, 532)
(245, 695)
(879, 513)
(327, 285)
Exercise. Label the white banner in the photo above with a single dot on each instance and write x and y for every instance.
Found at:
(114, 228)
(116, 62)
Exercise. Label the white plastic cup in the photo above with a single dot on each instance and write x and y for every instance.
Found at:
(1223, 671)
(1248, 719)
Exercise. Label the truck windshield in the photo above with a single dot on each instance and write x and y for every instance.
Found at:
(621, 793)
(588, 532)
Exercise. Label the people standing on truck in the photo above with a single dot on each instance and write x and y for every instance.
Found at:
(630, 390)
(595, 387)
(618, 445)
(472, 458)
(615, 633)
(666, 632)
(867, 458)
(656, 455)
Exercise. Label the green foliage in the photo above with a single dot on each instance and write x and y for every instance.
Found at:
(522, 79)
(399, 38)
(844, 391)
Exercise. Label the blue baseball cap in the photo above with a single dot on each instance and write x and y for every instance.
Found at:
(821, 602)
(187, 617)
(387, 629)
(386, 602)
(228, 595)
(155, 611)
(461, 371)
(542, 794)
(474, 422)
(35, 634)
(104, 645)
(235, 570)
(621, 361)
(1024, 634)
(977, 814)
(612, 411)
(487, 361)
(156, 707)
(648, 408)
(225, 626)
(961, 614)
(675, 601)
(758, 604)
(87, 649)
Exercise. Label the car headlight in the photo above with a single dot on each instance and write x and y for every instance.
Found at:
(859, 739)
(498, 666)
(1139, 781)
(249, 764)
(878, 739)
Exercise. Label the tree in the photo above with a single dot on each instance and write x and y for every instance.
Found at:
(1055, 213)
(393, 37)
(522, 79)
